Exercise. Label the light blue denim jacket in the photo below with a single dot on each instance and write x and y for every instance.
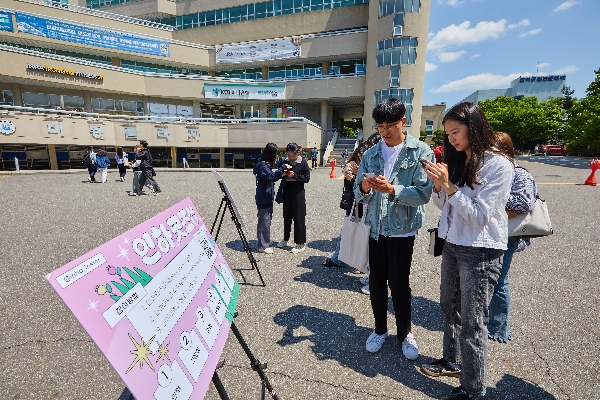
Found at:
(402, 212)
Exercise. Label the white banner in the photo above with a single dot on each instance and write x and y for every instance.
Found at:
(243, 91)
(259, 51)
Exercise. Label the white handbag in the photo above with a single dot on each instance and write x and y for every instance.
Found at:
(535, 223)
(354, 242)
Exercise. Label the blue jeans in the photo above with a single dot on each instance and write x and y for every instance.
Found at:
(336, 253)
(498, 327)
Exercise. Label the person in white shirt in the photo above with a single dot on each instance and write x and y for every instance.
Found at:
(471, 187)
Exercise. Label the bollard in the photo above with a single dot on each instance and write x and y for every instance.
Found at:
(16, 163)
(332, 164)
(591, 180)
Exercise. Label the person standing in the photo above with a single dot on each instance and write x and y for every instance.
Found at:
(146, 166)
(120, 158)
(314, 153)
(471, 187)
(395, 192)
(294, 200)
(103, 163)
(89, 159)
(265, 193)
(438, 152)
(344, 157)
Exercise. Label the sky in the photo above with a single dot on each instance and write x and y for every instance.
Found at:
(485, 44)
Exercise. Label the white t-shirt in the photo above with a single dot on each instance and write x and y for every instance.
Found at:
(390, 155)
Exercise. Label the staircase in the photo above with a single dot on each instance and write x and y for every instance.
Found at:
(340, 144)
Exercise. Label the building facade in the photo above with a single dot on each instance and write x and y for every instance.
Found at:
(200, 82)
(542, 87)
(431, 118)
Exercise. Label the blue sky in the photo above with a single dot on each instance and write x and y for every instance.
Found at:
(485, 44)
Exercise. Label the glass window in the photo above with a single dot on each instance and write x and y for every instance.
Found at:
(72, 101)
(399, 19)
(396, 56)
(6, 97)
(35, 99)
(261, 10)
(395, 71)
(288, 6)
(210, 18)
(387, 57)
(276, 7)
(316, 5)
(404, 56)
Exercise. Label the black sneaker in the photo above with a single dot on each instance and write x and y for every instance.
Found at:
(458, 393)
(440, 368)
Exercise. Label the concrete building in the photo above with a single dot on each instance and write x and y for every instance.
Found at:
(212, 85)
(542, 87)
(431, 118)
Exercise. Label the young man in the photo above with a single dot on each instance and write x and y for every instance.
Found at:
(314, 153)
(344, 157)
(395, 190)
(145, 164)
(91, 164)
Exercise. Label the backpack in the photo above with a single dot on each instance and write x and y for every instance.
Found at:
(87, 159)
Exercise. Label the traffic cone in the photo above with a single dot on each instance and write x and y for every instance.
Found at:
(332, 164)
(591, 180)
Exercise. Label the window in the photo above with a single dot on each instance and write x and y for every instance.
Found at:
(396, 51)
(388, 7)
(404, 95)
(6, 97)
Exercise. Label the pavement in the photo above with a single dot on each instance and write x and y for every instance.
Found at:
(309, 323)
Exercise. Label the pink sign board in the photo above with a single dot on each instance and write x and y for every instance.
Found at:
(158, 300)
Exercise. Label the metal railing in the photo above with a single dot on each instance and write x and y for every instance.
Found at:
(330, 146)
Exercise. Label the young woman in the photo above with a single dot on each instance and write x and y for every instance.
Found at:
(297, 173)
(471, 187)
(103, 163)
(265, 193)
(120, 159)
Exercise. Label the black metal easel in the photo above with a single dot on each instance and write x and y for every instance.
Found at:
(225, 205)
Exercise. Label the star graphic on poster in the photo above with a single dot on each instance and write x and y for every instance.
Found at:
(141, 353)
(93, 305)
(126, 240)
(163, 351)
(123, 253)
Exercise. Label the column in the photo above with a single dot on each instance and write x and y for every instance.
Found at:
(330, 117)
(173, 157)
(325, 67)
(116, 61)
(324, 109)
(87, 102)
(17, 95)
(196, 108)
(265, 72)
(237, 111)
(52, 154)
(222, 157)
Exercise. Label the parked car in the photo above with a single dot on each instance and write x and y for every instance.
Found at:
(553, 150)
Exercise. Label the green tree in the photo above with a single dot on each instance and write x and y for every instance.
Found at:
(422, 135)
(583, 130)
(567, 100)
(438, 135)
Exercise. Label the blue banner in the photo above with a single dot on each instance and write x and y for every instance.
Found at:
(6, 21)
(60, 30)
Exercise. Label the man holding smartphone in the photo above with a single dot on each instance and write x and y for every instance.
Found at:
(391, 182)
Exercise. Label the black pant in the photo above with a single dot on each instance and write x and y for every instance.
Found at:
(294, 208)
(314, 163)
(390, 259)
(147, 175)
(122, 170)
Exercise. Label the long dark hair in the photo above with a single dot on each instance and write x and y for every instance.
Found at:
(269, 154)
(481, 139)
(120, 152)
(505, 145)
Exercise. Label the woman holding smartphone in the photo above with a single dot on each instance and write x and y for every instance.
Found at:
(471, 187)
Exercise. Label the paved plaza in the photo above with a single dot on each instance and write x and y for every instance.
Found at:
(309, 323)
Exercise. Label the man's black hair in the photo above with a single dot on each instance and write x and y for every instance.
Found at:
(90, 148)
(390, 110)
(292, 148)
(144, 143)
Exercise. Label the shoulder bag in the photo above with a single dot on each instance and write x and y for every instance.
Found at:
(535, 223)
(354, 241)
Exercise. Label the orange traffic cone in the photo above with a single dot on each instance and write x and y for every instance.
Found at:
(591, 180)
(332, 164)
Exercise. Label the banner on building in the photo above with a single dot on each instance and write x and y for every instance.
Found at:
(6, 23)
(258, 51)
(244, 91)
(158, 300)
(66, 31)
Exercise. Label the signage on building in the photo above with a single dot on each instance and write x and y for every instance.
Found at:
(258, 51)
(64, 72)
(7, 127)
(6, 23)
(542, 78)
(69, 32)
(243, 91)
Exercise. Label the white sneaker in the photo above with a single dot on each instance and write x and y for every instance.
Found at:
(298, 248)
(283, 244)
(365, 290)
(375, 341)
(410, 348)
(266, 250)
(364, 280)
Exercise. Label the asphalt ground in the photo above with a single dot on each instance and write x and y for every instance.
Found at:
(563, 161)
(309, 323)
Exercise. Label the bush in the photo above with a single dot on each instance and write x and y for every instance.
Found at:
(584, 147)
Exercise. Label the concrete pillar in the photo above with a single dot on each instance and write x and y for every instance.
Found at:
(324, 109)
(17, 95)
(325, 67)
(52, 154)
(116, 61)
(222, 157)
(330, 117)
(146, 105)
(196, 108)
(237, 111)
(265, 72)
(211, 73)
(173, 157)
(87, 102)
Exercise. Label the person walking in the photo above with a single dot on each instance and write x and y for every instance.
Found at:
(103, 163)
(395, 189)
(147, 171)
(314, 154)
(89, 159)
(296, 175)
(120, 158)
(523, 193)
(471, 187)
(265, 193)
(344, 156)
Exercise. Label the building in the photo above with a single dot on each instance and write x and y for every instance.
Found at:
(542, 87)
(431, 118)
(212, 85)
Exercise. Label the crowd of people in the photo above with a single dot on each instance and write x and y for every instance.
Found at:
(473, 178)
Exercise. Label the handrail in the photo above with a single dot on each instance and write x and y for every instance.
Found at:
(163, 75)
(330, 145)
(102, 14)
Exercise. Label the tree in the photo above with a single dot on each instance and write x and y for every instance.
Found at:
(594, 88)
(422, 135)
(567, 100)
(438, 135)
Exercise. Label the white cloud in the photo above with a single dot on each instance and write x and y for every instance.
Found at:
(531, 32)
(475, 56)
(542, 65)
(449, 56)
(480, 81)
(525, 22)
(456, 35)
(430, 67)
(565, 70)
(450, 2)
(566, 5)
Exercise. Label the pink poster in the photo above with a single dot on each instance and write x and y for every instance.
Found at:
(158, 300)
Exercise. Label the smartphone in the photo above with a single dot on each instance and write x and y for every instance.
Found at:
(369, 175)
(423, 162)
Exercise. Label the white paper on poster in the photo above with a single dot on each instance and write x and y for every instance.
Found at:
(179, 387)
(172, 109)
(244, 91)
(259, 51)
(194, 355)
(222, 288)
(216, 305)
(156, 108)
(226, 273)
(185, 110)
(207, 326)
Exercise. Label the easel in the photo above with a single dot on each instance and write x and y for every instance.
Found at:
(226, 204)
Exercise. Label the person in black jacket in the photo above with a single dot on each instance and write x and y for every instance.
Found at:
(265, 192)
(145, 164)
(297, 173)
